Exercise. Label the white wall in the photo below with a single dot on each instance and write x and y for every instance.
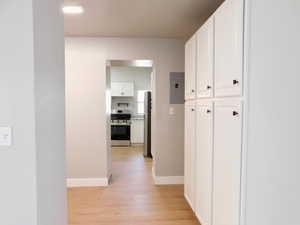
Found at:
(85, 102)
(141, 77)
(18, 162)
(273, 154)
(27, 91)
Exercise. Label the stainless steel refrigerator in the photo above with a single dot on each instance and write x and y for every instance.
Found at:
(147, 125)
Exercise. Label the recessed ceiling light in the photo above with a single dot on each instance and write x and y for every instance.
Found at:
(72, 9)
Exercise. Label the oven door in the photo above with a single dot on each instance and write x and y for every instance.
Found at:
(120, 132)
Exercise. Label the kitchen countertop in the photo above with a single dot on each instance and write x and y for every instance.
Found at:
(137, 118)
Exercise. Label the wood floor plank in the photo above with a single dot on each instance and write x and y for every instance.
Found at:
(132, 198)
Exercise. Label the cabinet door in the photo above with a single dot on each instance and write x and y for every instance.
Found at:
(190, 154)
(229, 48)
(193, 156)
(137, 131)
(204, 162)
(122, 89)
(227, 163)
(127, 89)
(205, 59)
(187, 158)
(116, 89)
(187, 69)
(190, 68)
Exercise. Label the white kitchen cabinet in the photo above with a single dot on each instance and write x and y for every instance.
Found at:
(137, 131)
(190, 68)
(116, 89)
(229, 48)
(227, 162)
(190, 153)
(122, 89)
(204, 161)
(205, 59)
(253, 135)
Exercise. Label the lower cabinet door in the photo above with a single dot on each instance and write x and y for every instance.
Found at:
(204, 165)
(137, 131)
(193, 156)
(187, 176)
(227, 162)
(190, 154)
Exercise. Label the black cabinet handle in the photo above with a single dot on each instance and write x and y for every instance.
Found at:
(235, 113)
(208, 111)
(193, 90)
(193, 110)
(235, 82)
(208, 87)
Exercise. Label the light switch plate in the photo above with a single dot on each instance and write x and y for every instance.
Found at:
(5, 136)
(171, 111)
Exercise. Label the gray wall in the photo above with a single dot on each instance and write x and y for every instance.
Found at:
(272, 179)
(28, 89)
(50, 111)
(86, 112)
(141, 77)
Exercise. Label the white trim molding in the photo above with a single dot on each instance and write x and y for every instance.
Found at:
(87, 182)
(188, 200)
(165, 180)
(169, 180)
(153, 173)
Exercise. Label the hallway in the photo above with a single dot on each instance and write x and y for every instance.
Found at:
(132, 199)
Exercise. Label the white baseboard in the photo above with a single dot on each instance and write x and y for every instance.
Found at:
(153, 173)
(200, 219)
(165, 180)
(188, 200)
(169, 180)
(87, 182)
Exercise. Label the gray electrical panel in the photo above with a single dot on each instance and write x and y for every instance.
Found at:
(176, 88)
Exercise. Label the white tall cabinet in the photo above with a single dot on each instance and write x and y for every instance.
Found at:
(240, 144)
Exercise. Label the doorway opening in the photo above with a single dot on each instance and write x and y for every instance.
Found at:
(129, 99)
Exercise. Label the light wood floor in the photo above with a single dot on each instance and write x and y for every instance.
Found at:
(132, 199)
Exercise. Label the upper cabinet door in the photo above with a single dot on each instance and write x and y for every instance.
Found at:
(116, 88)
(204, 161)
(122, 89)
(205, 59)
(229, 49)
(227, 162)
(190, 68)
(127, 89)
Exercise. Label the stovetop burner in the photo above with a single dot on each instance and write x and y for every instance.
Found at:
(120, 116)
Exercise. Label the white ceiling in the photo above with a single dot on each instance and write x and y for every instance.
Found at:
(177, 19)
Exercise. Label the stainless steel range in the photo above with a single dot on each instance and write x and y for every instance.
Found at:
(120, 129)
